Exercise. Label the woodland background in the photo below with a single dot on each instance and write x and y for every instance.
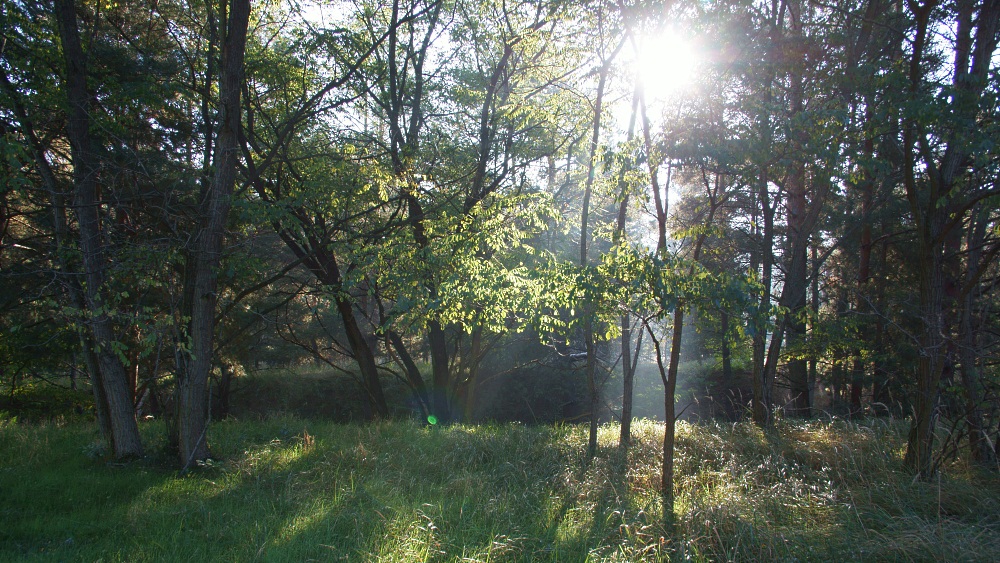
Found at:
(481, 210)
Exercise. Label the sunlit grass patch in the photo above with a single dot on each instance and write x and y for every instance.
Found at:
(287, 489)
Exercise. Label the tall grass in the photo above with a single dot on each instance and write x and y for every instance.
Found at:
(287, 489)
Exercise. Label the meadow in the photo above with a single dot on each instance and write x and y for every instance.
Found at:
(291, 489)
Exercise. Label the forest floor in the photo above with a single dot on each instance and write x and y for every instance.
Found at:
(288, 489)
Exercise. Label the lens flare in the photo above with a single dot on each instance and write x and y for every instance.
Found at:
(667, 64)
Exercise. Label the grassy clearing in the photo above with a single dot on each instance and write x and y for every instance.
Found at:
(287, 489)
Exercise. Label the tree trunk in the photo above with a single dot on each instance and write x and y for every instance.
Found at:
(934, 194)
(111, 381)
(668, 376)
(413, 376)
(440, 374)
(798, 227)
(466, 388)
(588, 328)
(204, 258)
(628, 368)
(628, 383)
(762, 382)
(980, 448)
(729, 403)
(920, 444)
(377, 407)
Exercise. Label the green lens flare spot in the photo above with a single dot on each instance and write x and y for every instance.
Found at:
(432, 419)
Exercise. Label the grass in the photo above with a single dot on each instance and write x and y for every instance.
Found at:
(288, 489)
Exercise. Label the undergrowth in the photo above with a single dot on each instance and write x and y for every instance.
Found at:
(287, 489)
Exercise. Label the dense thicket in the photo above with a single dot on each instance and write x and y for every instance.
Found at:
(494, 205)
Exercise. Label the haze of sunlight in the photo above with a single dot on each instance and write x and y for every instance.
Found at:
(666, 64)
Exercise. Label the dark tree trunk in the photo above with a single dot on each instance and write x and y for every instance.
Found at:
(863, 297)
(728, 386)
(980, 448)
(413, 376)
(628, 382)
(762, 378)
(204, 258)
(798, 224)
(465, 387)
(440, 373)
(588, 327)
(111, 389)
(920, 444)
(670, 416)
(364, 356)
(628, 367)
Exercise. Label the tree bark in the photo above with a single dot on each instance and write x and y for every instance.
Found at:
(111, 389)
(798, 222)
(762, 378)
(363, 354)
(204, 258)
(862, 297)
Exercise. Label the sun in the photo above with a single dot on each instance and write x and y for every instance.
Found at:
(666, 64)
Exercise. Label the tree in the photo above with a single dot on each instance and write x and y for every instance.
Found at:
(939, 152)
(111, 384)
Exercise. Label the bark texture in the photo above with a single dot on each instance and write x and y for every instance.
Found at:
(114, 399)
(204, 257)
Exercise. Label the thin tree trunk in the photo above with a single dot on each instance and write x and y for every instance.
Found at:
(466, 391)
(980, 448)
(814, 308)
(440, 374)
(866, 186)
(376, 405)
(670, 416)
(728, 381)
(413, 376)
(762, 382)
(798, 228)
(588, 328)
(670, 382)
(628, 368)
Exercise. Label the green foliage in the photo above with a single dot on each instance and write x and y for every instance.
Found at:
(310, 392)
(35, 401)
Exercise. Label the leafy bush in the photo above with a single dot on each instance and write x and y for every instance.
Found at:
(39, 400)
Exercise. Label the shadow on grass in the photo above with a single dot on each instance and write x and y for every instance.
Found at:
(290, 490)
(294, 490)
